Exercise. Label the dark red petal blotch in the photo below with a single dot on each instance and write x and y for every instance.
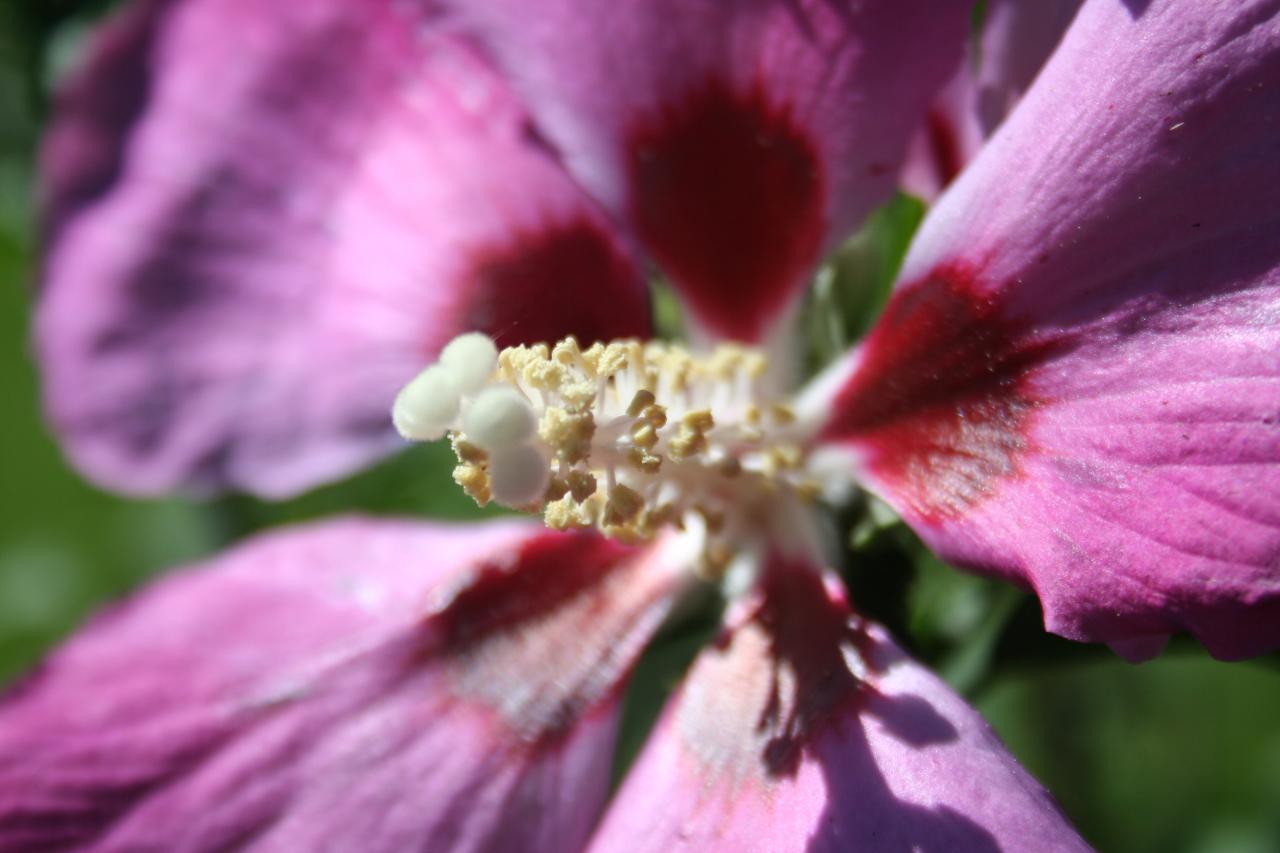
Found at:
(545, 636)
(569, 279)
(728, 195)
(939, 398)
(777, 682)
(375, 686)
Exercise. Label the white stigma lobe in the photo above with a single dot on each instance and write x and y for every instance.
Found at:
(426, 407)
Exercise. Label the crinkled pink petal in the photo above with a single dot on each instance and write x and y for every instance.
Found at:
(264, 218)
(1016, 39)
(807, 729)
(357, 685)
(739, 140)
(1077, 384)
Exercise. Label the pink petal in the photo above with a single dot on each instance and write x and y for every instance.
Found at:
(1016, 39)
(1078, 383)
(808, 729)
(948, 138)
(357, 685)
(266, 217)
(739, 140)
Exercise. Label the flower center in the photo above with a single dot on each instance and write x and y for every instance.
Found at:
(626, 437)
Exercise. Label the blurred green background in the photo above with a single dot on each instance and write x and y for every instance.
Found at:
(1181, 754)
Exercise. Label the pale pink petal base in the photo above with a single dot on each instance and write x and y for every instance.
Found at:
(266, 217)
(807, 729)
(1077, 383)
(357, 685)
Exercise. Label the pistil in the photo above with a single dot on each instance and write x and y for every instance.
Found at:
(626, 437)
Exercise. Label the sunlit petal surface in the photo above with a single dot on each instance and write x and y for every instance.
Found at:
(355, 685)
(265, 217)
(806, 728)
(739, 140)
(1077, 383)
(1013, 43)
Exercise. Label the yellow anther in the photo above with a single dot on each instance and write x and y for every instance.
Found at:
(724, 361)
(613, 359)
(692, 439)
(581, 485)
(544, 375)
(672, 433)
(713, 518)
(579, 396)
(716, 557)
(656, 415)
(624, 505)
(569, 435)
(661, 515)
(512, 361)
(474, 480)
(564, 514)
(699, 420)
(556, 489)
(729, 466)
(644, 435)
(644, 461)
(642, 400)
(755, 365)
(591, 357)
(808, 490)
(567, 351)
(670, 364)
(789, 455)
(468, 452)
(782, 458)
(687, 443)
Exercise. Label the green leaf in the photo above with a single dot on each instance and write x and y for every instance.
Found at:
(850, 291)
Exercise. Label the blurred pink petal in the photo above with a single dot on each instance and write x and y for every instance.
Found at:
(265, 217)
(740, 140)
(1016, 39)
(808, 729)
(947, 139)
(1077, 382)
(356, 685)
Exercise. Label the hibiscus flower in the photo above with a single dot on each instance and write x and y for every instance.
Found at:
(266, 218)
